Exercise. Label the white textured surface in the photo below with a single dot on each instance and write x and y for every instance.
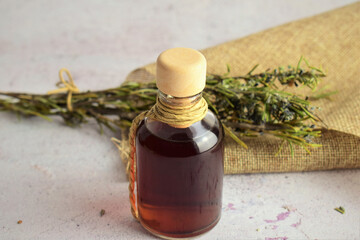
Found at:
(57, 179)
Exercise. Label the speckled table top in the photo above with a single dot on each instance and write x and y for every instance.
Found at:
(56, 179)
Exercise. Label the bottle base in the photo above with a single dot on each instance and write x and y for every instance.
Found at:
(174, 236)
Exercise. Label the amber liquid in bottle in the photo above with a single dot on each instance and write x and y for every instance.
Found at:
(179, 177)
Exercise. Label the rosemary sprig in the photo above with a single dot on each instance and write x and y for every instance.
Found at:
(249, 105)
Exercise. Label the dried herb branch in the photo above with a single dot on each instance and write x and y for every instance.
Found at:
(249, 105)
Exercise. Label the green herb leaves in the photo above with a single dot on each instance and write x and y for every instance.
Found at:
(250, 105)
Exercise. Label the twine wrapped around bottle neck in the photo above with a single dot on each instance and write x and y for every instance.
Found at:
(181, 116)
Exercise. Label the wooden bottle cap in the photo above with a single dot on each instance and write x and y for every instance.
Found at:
(181, 72)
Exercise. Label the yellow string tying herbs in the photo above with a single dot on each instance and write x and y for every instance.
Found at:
(172, 115)
(69, 86)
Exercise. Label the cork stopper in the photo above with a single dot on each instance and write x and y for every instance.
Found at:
(181, 72)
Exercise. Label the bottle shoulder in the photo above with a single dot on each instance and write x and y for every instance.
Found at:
(204, 134)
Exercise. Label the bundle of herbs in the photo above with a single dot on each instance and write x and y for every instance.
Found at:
(248, 105)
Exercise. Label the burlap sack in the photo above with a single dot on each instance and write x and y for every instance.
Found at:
(332, 40)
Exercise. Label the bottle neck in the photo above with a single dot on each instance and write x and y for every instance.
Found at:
(179, 101)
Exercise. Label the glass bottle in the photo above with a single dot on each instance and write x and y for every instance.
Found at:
(179, 168)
